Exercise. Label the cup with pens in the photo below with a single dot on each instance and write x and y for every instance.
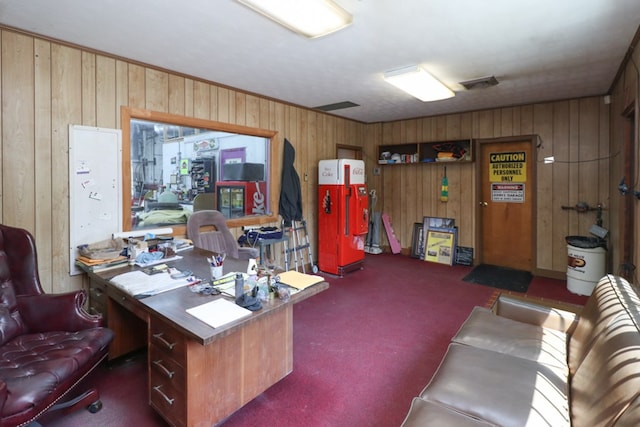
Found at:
(216, 263)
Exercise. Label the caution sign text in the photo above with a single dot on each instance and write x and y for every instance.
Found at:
(508, 167)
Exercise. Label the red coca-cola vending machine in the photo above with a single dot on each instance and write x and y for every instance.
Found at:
(343, 216)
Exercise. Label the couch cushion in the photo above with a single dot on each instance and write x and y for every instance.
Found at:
(607, 382)
(424, 414)
(33, 365)
(484, 329)
(537, 312)
(602, 306)
(501, 389)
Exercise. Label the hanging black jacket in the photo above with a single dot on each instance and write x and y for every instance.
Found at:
(290, 194)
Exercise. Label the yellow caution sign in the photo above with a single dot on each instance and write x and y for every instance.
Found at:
(508, 167)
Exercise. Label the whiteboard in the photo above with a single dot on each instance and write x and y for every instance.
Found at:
(95, 187)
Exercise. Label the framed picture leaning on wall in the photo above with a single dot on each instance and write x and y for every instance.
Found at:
(434, 223)
(441, 246)
(431, 222)
(417, 241)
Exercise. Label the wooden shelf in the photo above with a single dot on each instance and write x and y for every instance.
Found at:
(455, 151)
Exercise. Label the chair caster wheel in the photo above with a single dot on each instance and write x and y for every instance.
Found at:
(95, 407)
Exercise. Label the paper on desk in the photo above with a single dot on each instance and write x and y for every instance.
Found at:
(218, 312)
(137, 283)
(299, 280)
(228, 288)
(158, 261)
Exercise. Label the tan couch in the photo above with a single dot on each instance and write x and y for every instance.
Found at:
(533, 363)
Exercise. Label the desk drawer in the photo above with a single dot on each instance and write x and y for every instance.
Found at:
(166, 368)
(127, 301)
(97, 298)
(95, 309)
(168, 401)
(167, 341)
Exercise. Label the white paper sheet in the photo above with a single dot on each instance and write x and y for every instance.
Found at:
(219, 312)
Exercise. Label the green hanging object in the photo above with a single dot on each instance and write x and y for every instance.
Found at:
(444, 189)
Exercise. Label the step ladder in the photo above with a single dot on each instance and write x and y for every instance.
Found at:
(300, 238)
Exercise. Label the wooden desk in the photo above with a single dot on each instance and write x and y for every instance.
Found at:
(199, 375)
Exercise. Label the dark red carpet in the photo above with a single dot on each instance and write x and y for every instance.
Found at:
(362, 350)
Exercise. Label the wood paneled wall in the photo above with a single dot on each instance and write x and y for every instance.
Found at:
(576, 132)
(48, 85)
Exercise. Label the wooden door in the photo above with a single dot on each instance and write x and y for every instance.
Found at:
(507, 199)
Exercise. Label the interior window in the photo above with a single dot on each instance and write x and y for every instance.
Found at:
(176, 169)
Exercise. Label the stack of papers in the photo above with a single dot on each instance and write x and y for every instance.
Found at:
(97, 265)
(139, 284)
(183, 244)
(298, 280)
(219, 312)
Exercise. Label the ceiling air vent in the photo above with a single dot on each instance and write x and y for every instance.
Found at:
(336, 106)
(481, 83)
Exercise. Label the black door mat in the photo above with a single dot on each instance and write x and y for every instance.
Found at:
(500, 277)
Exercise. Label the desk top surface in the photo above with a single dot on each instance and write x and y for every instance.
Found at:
(172, 305)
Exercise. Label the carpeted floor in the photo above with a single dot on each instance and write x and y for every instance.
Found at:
(362, 350)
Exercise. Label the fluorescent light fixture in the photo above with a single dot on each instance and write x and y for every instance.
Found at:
(417, 82)
(550, 159)
(311, 18)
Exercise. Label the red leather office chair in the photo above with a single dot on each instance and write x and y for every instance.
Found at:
(48, 343)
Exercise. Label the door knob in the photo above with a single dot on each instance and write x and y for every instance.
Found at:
(484, 204)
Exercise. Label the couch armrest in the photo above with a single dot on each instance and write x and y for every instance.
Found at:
(537, 311)
(56, 312)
